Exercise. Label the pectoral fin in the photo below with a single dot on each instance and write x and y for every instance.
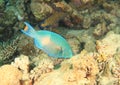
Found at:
(37, 44)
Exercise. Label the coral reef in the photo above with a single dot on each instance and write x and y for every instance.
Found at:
(108, 59)
(27, 48)
(100, 29)
(84, 38)
(8, 49)
(100, 67)
(91, 27)
(110, 73)
(10, 11)
(109, 45)
(17, 7)
(22, 63)
(74, 42)
(75, 71)
(80, 3)
(2, 5)
(10, 75)
(40, 10)
(44, 66)
(12, 48)
(86, 15)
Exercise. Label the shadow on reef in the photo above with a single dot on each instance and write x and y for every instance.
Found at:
(10, 59)
(6, 34)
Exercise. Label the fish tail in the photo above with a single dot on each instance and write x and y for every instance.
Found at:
(28, 30)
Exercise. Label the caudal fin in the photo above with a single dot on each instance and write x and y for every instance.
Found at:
(28, 30)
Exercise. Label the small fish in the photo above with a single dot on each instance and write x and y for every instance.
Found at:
(51, 43)
(56, 17)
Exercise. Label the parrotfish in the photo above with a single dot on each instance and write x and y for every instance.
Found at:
(50, 42)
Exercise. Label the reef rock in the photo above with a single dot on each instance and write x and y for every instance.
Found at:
(40, 10)
(79, 70)
(9, 75)
(109, 45)
(2, 5)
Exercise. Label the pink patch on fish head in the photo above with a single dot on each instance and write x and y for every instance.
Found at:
(45, 41)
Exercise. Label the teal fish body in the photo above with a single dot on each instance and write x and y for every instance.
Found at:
(51, 43)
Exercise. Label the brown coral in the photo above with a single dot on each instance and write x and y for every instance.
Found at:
(81, 3)
(8, 49)
(100, 29)
(40, 10)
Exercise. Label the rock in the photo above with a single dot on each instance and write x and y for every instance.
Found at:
(79, 70)
(2, 5)
(40, 10)
(9, 75)
(109, 44)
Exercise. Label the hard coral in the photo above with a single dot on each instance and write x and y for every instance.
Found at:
(116, 68)
(81, 3)
(100, 29)
(22, 63)
(10, 75)
(85, 67)
(45, 66)
(109, 74)
(40, 10)
(81, 69)
(84, 40)
(108, 46)
(8, 49)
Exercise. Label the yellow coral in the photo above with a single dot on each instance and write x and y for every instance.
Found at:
(102, 57)
(10, 75)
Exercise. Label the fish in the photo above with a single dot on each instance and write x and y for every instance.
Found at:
(50, 42)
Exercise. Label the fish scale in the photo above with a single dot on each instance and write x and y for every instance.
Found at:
(51, 43)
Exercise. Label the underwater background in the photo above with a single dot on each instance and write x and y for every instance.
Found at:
(91, 28)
